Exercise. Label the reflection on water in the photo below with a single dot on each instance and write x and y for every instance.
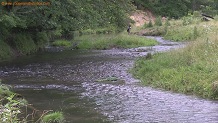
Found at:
(66, 81)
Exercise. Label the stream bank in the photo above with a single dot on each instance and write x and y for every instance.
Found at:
(66, 81)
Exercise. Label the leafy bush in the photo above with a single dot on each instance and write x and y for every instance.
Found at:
(187, 21)
(149, 24)
(24, 43)
(10, 106)
(5, 51)
(196, 14)
(41, 39)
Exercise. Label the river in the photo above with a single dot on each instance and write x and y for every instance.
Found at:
(75, 82)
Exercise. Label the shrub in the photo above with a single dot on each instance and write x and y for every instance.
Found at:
(5, 51)
(158, 21)
(192, 70)
(186, 21)
(56, 117)
(10, 106)
(24, 43)
(41, 39)
(88, 32)
(150, 24)
(167, 23)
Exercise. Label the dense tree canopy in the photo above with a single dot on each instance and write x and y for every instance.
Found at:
(27, 20)
(178, 8)
(27, 27)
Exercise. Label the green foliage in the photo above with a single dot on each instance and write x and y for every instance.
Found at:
(185, 33)
(56, 117)
(196, 14)
(63, 43)
(195, 33)
(24, 43)
(113, 41)
(178, 8)
(167, 23)
(10, 106)
(186, 21)
(150, 24)
(41, 39)
(60, 20)
(191, 70)
(158, 21)
(5, 51)
(166, 8)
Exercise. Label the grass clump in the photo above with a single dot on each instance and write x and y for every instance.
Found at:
(62, 43)
(113, 41)
(56, 117)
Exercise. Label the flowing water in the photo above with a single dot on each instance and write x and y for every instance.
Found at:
(76, 83)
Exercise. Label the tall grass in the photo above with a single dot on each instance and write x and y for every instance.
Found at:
(113, 41)
(192, 70)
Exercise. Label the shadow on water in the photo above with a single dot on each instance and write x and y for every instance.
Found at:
(77, 83)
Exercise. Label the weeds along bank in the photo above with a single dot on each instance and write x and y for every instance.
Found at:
(191, 70)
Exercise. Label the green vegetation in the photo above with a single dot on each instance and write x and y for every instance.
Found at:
(10, 106)
(5, 51)
(191, 70)
(113, 41)
(158, 21)
(63, 43)
(178, 8)
(56, 117)
(25, 29)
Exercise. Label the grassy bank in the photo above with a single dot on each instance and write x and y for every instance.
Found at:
(192, 70)
(113, 41)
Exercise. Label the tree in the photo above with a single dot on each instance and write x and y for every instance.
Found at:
(64, 15)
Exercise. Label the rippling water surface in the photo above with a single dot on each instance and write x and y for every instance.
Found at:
(67, 81)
